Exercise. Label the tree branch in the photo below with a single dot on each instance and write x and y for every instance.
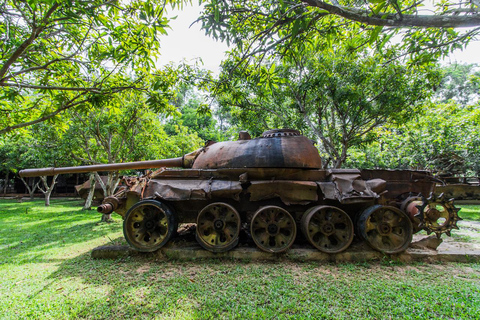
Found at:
(395, 20)
(45, 117)
(21, 49)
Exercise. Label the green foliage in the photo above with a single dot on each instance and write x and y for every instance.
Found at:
(194, 113)
(335, 96)
(41, 146)
(57, 55)
(262, 27)
(120, 128)
(441, 137)
(461, 82)
(125, 129)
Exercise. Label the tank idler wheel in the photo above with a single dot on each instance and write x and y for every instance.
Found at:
(327, 228)
(218, 227)
(386, 229)
(273, 229)
(148, 225)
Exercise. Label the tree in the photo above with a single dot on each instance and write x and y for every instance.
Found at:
(122, 130)
(48, 188)
(12, 151)
(461, 82)
(194, 114)
(57, 55)
(109, 134)
(88, 202)
(39, 146)
(337, 97)
(444, 138)
(261, 27)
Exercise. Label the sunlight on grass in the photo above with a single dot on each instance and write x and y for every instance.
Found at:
(46, 272)
(469, 212)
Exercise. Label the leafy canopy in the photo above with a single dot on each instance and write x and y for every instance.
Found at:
(444, 138)
(61, 54)
(425, 32)
(336, 96)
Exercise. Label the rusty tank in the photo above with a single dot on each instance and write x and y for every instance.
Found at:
(274, 191)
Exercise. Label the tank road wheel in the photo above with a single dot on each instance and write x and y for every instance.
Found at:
(148, 225)
(273, 229)
(329, 229)
(386, 229)
(218, 227)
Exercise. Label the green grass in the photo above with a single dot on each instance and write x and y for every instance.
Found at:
(469, 212)
(46, 272)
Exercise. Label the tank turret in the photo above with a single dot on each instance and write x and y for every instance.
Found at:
(274, 190)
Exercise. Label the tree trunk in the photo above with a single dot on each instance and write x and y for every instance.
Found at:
(91, 192)
(31, 189)
(48, 189)
(108, 190)
(106, 217)
(5, 187)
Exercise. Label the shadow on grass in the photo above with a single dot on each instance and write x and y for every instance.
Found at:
(137, 287)
(141, 287)
(30, 232)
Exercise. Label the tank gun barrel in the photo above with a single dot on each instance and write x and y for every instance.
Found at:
(174, 162)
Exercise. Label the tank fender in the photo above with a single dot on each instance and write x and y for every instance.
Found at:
(178, 190)
(290, 192)
(349, 187)
(378, 186)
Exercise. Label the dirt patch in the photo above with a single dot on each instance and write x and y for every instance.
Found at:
(143, 269)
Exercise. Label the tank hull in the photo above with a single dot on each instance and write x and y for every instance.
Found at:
(297, 191)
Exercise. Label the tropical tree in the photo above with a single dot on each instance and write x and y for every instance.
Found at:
(460, 82)
(444, 138)
(39, 146)
(336, 96)
(57, 55)
(193, 112)
(426, 32)
(123, 129)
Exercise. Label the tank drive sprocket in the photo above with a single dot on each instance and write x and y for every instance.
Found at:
(438, 215)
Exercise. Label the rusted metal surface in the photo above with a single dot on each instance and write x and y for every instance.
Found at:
(273, 229)
(403, 182)
(218, 226)
(438, 215)
(84, 188)
(347, 187)
(387, 229)
(290, 192)
(265, 187)
(327, 228)
(460, 191)
(182, 190)
(176, 162)
(272, 151)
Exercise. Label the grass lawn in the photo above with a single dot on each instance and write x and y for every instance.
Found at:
(46, 272)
